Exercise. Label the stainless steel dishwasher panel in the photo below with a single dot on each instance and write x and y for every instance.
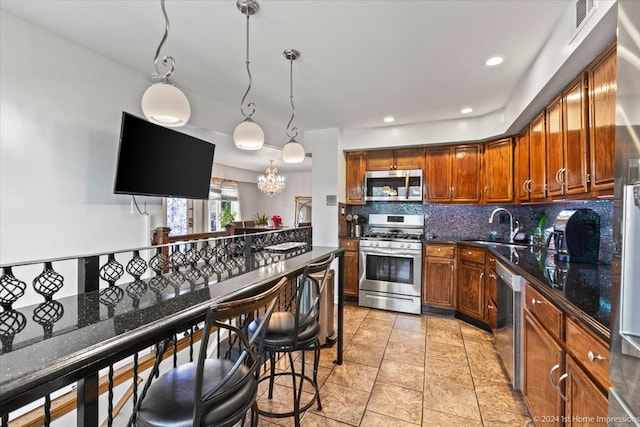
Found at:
(508, 335)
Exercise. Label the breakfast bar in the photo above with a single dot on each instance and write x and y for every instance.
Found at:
(62, 341)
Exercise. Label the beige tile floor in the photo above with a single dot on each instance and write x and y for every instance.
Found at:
(406, 370)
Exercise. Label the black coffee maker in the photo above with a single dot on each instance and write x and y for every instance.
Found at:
(576, 236)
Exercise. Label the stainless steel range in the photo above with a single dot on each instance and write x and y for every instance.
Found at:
(391, 263)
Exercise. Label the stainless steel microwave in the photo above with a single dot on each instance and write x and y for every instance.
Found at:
(393, 185)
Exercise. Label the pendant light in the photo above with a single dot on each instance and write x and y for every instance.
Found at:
(271, 184)
(292, 152)
(248, 135)
(163, 103)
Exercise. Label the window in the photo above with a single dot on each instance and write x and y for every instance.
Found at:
(221, 194)
(185, 216)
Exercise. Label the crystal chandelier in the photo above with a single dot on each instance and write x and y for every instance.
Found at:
(271, 184)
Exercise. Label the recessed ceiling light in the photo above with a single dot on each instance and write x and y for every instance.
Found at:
(389, 119)
(492, 62)
(466, 110)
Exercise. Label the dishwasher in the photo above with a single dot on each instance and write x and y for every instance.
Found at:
(508, 335)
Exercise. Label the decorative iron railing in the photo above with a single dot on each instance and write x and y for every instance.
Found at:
(121, 286)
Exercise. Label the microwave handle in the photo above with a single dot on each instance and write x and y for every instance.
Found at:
(406, 185)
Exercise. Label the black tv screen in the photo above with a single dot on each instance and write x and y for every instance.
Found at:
(158, 161)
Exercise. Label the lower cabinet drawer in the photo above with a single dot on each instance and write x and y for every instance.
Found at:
(471, 254)
(591, 352)
(440, 251)
(549, 315)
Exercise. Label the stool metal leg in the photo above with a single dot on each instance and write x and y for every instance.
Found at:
(316, 362)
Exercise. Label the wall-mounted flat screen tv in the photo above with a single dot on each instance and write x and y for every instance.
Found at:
(158, 161)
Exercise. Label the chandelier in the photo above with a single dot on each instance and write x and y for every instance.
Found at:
(271, 184)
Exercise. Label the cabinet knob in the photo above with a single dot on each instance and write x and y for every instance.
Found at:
(491, 275)
(439, 249)
(469, 252)
(593, 357)
(536, 301)
(491, 307)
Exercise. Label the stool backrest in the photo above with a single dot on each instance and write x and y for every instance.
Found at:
(310, 287)
(231, 320)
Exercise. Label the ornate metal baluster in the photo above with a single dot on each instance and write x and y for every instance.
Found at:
(177, 259)
(192, 256)
(136, 267)
(110, 273)
(159, 263)
(48, 282)
(175, 351)
(46, 314)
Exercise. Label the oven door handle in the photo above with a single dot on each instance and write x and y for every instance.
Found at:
(392, 252)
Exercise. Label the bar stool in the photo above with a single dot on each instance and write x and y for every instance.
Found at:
(215, 391)
(297, 330)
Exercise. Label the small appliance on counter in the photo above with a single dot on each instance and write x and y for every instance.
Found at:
(576, 236)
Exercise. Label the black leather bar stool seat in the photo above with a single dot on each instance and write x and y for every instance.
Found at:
(297, 330)
(170, 402)
(214, 391)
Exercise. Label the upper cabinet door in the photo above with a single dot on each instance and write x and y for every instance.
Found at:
(466, 161)
(574, 104)
(438, 173)
(405, 158)
(537, 162)
(602, 120)
(355, 168)
(521, 179)
(380, 160)
(555, 148)
(498, 171)
(409, 158)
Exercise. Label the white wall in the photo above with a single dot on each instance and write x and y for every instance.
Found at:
(60, 112)
(324, 144)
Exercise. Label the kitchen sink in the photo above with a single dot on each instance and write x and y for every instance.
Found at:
(494, 243)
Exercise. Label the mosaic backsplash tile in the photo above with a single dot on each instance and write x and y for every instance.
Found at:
(459, 222)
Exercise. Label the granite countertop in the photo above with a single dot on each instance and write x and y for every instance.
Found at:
(582, 290)
(87, 332)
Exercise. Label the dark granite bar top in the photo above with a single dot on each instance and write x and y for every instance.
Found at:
(582, 290)
(88, 335)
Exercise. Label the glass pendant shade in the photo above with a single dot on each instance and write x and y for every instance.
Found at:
(248, 135)
(293, 152)
(165, 104)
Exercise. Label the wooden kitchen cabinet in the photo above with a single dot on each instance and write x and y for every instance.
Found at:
(537, 185)
(471, 286)
(566, 139)
(491, 293)
(543, 360)
(602, 121)
(453, 173)
(351, 266)
(521, 167)
(585, 401)
(355, 169)
(565, 365)
(438, 282)
(400, 159)
(498, 171)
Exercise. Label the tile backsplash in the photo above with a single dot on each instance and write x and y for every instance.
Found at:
(457, 222)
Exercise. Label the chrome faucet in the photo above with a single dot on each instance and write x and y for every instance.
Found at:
(512, 231)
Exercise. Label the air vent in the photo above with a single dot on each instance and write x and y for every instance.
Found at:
(583, 9)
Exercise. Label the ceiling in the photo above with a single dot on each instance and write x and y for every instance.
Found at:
(360, 61)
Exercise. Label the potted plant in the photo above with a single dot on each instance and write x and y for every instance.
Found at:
(226, 217)
(261, 219)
